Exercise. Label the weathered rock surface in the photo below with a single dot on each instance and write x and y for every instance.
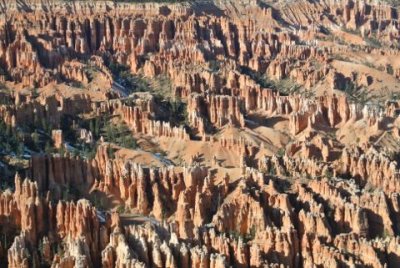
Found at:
(269, 145)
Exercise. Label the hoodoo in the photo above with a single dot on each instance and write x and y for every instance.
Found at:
(203, 133)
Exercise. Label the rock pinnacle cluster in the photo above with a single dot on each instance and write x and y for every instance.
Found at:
(205, 134)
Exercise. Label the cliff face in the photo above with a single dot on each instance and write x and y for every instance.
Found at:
(267, 135)
(324, 217)
(41, 55)
(44, 224)
(141, 122)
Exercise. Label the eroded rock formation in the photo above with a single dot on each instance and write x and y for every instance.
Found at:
(267, 135)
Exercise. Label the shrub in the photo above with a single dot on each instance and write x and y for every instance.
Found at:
(389, 69)
(121, 209)
(373, 42)
(123, 76)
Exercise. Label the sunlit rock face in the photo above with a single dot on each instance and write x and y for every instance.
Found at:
(199, 134)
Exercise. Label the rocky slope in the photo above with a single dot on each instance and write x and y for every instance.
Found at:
(199, 134)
